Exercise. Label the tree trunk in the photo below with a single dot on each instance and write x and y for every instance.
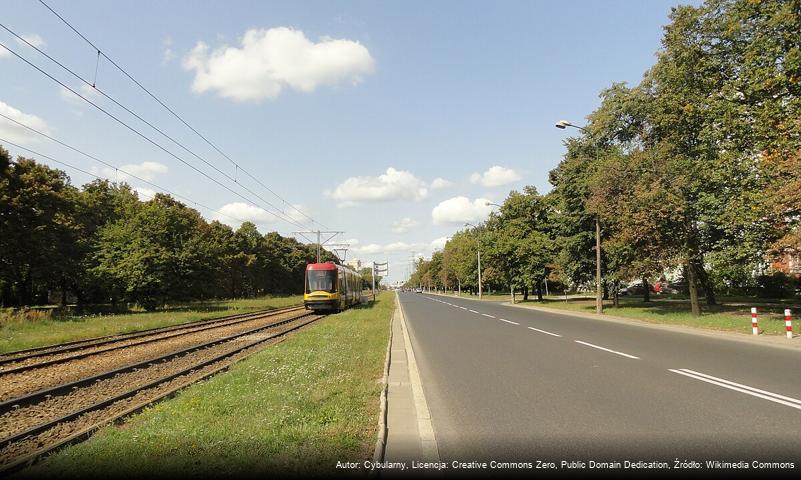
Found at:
(692, 281)
(539, 291)
(606, 290)
(706, 283)
(616, 293)
(525, 293)
(646, 296)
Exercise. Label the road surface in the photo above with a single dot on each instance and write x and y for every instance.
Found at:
(508, 383)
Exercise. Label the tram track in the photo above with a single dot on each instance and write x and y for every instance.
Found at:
(37, 423)
(57, 371)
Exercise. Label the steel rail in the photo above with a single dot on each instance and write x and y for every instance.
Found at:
(186, 329)
(85, 433)
(34, 397)
(76, 344)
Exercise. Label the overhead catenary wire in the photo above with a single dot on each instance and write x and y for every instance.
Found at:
(172, 112)
(113, 100)
(280, 215)
(116, 169)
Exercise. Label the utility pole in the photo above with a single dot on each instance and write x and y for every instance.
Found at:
(319, 243)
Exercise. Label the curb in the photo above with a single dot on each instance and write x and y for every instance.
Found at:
(428, 440)
(381, 441)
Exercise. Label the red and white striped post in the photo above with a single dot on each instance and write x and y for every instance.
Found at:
(788, 322)
(754, 322)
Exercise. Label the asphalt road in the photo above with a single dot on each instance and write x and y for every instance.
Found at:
(507, 383)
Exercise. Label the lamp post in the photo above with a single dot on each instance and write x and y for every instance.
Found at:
(599, 296)
(478, 253)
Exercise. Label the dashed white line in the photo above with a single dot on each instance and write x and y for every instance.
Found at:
(508, 321)
(773, 397)
(473, 311)
(607, 350)
(488, 315)
(543, 331)
(463, 308)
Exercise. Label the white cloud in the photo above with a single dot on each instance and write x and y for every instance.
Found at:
(439, 243)
(33, 39)
(14, 133)
(270, 60)
(461, 210)
(375, 248)
(235, 213)
(440, 183)
(168, 55)
(144, 193)
(86, 90)
(298, 213)
(393, 185)
(145, 171)
(495, 177)
(404, 225)
(420, 248)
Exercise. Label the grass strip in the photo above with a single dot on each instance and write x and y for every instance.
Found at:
(19, 335)
(294, 408)
(726, 317)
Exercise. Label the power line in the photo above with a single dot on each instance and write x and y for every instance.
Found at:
(116, 168)
(39, 154)
(22, 39)
(154, 97)
(148, 139)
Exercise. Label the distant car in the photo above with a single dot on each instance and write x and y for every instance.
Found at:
(418, 290)
(635, 289)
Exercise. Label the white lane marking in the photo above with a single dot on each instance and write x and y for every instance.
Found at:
(773, 397)
(509, 321)
(463, 308)
(607, 350)
(487, 315)
(543, 331)
(473, 311)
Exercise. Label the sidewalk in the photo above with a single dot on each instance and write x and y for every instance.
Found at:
(410, 434)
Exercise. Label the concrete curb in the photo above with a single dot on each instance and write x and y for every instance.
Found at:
(425, 428)
(381, 441)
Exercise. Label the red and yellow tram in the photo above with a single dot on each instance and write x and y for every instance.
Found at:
(331, 287)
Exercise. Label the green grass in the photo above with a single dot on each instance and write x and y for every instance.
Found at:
(294, 408)
(729, 316)
(19, 331)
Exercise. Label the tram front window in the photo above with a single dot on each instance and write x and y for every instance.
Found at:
(321, 280)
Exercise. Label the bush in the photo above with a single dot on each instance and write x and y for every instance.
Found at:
(775, 285)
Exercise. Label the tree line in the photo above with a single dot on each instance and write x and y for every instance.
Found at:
(696, 169)
(101, 244)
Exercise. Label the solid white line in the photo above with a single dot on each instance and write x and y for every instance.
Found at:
(486, 315)
(509, 321)
(773, 397)
(543, 331)
(607, 350)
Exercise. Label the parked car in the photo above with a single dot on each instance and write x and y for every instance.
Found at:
(636, 289)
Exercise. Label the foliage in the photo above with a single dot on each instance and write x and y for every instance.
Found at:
(101, 244)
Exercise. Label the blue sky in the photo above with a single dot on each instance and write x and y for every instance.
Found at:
(393, 122)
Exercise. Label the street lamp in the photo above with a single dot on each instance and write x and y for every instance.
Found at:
(478, 252)
(495, 204)
(599, 296)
